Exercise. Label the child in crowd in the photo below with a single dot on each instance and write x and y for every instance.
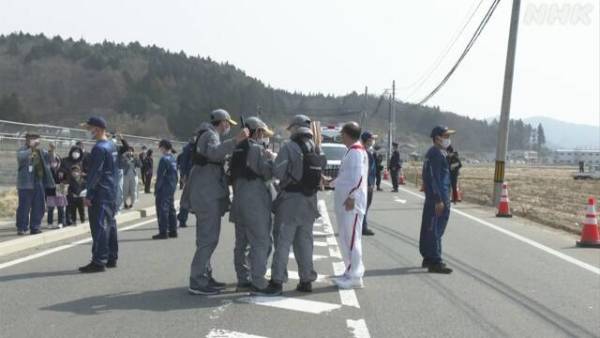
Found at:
(75, 200)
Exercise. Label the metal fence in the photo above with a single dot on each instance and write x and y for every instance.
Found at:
(12, 137)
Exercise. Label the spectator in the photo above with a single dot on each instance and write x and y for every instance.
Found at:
(129, 165)
(122, 149)
(455, 165)
(34, 176)
(147, 171)
(185, 165)
(75, 158)
(56, 197)
(85, 156)
(378, 166)
(74, 196)
(367, 140)
(142, 157)
(395, 165)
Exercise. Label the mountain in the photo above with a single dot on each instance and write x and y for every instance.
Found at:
(154, 92)
(561, 134)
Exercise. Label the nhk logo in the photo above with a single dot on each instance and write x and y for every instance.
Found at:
(559, 13)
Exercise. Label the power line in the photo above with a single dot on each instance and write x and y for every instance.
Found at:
(476, 35)
(427, 74)
(445, 52)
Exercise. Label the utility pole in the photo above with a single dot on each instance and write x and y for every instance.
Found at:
(393, 109)
(506, 99)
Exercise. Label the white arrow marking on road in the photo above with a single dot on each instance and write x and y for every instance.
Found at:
(358, 328)
(293, 304)
(214, 333)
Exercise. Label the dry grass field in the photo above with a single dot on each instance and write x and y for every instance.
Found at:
(547, 195)
(8, 203)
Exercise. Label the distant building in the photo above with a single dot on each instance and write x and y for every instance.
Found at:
(525, 156)
(574, 156)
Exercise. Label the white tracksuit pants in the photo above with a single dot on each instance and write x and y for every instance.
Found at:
(350, 231)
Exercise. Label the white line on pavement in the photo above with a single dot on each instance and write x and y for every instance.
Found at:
(215, 333)
(64, 247)
(521, 238)
(396, 199)
(293, 304)
(358, 328)
(320, 244)
(347, 297)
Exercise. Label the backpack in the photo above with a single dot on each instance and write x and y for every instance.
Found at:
(197, 158)
(238, 166)
(312, 168)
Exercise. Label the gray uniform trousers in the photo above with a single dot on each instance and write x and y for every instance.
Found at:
(251, 213)
(294, 210)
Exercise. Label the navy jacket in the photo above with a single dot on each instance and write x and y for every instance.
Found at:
(372, 168)
(185, 159)
(395, 162)
(436, 175)
(102, 176)
(166, 176)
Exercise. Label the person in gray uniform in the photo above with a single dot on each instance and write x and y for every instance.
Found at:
(251, 173)
(207, 196)
(298, 166)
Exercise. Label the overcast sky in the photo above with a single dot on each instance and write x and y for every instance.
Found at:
(339, 46)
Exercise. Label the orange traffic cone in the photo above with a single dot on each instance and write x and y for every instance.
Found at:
(590, 237)
(503, 208)
(386, 175)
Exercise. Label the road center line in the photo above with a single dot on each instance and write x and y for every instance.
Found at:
(518, 237)
(66, 246)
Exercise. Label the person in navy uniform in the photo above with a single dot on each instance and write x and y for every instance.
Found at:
(436, 212)
(100, 199)
(164, 191)
(185, 166)
(395, 165)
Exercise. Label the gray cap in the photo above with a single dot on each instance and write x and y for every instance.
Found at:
(221, 115)
(303, 131)
(300, 121)
(254, 123)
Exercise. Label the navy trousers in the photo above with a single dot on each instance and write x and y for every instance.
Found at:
(31, 209)
(165, 212)
(105, 245)
(432, 230)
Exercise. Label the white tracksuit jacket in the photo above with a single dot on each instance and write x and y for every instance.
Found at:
(352, 182)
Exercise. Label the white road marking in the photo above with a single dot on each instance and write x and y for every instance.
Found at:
(293, 304)
(66, 246)
(215, 333)
(334, 251)
(521, 238)
(358, 328)
(320, 233)
(399, 200)
(347, 297)
(217, 312)
(294, 276)
(320, 244)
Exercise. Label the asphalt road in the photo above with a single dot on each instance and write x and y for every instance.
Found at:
(511, 279)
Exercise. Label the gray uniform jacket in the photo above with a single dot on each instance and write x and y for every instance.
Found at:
(25, 177)
(252, 198)
(207, 183)
(292, 207)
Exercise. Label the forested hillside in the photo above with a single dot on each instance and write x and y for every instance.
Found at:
(150, 91)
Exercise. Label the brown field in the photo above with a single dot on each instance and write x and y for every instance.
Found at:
(8, 203)
(547, 195)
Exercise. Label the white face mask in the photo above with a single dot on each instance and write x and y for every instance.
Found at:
(76, 155)
(265, 141)
(227, 131)
(446, 143)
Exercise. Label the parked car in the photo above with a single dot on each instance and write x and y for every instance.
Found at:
(334, 153)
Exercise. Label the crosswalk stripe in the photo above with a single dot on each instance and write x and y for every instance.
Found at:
(216, 333)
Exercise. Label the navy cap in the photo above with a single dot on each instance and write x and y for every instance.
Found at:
(365, 136)
(441, 130)
(165, 144)
(95, 121)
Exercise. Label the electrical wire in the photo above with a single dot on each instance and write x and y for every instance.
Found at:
(471, 43)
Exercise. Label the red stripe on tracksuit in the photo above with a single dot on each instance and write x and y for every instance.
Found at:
(352, 241)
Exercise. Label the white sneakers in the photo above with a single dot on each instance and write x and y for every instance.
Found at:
(57, 226)
(346, 282)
